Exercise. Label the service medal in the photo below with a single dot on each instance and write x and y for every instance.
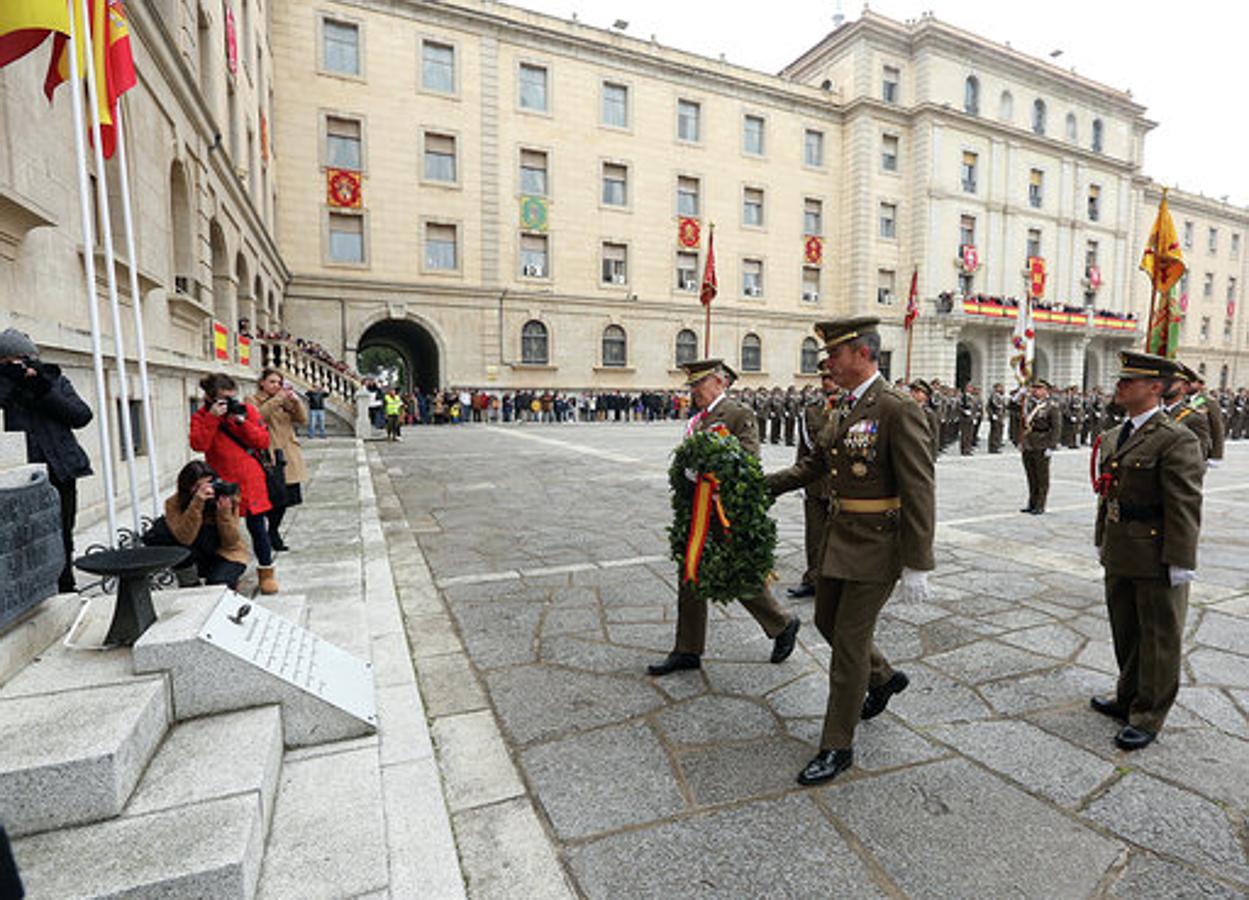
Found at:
(858, 469)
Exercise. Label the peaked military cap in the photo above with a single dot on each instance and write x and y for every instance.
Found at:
(1134, 364)
(920, 384)
(699, 369)
(838, 331)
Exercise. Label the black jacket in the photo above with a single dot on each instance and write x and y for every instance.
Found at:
(47, 408)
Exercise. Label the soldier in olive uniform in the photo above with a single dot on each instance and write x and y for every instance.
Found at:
(793, 409)
(1193, 416)
(761, 410)
(1198, 396)
(875, 453)
(1093, 410)
(921, 393)
(1150, 471)
(966, 422)
(997, 416)
(776, 415)
(815, 502)
(1042, 425)
(708, 380)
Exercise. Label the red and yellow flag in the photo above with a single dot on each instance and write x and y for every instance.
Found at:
(706, 499)
(25, 24)
(1163, 338)
(1163, 260)
(710, 287)
(221, 342)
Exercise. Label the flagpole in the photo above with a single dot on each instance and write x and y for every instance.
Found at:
(711, 237)
(910, 333)
(149, 432)
(106, 232)
(1153, 278)
(88, 256)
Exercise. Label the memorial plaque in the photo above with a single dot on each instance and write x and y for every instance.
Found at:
(31, 552)
(292, 654)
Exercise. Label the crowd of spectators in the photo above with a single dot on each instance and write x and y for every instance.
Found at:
(945, 304)
(455, 406)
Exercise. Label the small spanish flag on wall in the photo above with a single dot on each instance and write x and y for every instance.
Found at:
(221, 342)
(245, 350)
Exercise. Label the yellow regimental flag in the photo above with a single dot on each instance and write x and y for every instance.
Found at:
(1162, 259)
(25, 24)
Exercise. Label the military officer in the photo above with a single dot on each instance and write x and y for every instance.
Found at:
(996, 405)
(967, 422)
(876, 455)
(1042, 425)
(1148, 521)
(793, 410)
(921, 393)
(761, 410)
(708, 380)
(1198, 396)
(776, 415)
(1192, 415)
(815, 502)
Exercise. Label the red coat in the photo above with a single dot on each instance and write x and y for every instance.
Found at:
(230, 461)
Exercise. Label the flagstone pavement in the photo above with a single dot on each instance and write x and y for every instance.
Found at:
(531, 566)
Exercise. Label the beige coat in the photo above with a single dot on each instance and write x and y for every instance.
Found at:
(185, 525)
(283, 415)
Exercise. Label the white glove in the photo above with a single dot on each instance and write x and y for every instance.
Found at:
(1180, 576)
(915, 587)
(1049, 453)
(1213, 463)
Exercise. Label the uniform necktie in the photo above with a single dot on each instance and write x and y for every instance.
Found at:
(1124, 435)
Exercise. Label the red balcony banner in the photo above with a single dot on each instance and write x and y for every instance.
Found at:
(813, 250)
(689, 232)
(1036, 276)
(342, 188)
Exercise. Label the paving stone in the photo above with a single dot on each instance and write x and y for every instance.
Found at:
(808, 696)
(580, 780)
(915, 613)
(596, 656)
(1207, 761)
(1215, 667)
(501, 634)
(421, 847)
(1213, 705)
(944, 635)
(934, 698)
(1099, 656)
(882, 743)
(1023, 617)
(1166, 819)
(920, 822)
(539, 703)
(898, 640)
(571, 621)
(449, 686)
(751, 679)
(506, 854)
(727, 853)
(704, 720)
(649, 613)
(476, 767)
(976, 605)
(1059, 687)
(1224, 632)
(727, 773)
(1148, 876)
(986, 660)
(1057, 641)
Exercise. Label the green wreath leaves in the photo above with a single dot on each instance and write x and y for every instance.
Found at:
(733, 565)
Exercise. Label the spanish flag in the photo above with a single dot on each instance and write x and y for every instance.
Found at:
(25, 24)
(1163, 260)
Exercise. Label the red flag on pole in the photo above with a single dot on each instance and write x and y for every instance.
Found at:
(709, 288)
(912, 301)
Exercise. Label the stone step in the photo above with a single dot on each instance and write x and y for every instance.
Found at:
(74, 757)
(12, 449)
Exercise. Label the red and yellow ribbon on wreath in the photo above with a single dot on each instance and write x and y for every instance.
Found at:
(706, 498)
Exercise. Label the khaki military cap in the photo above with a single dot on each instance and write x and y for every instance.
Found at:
(838, 331)
(700, 368)
(1134, 364)
(920, 384)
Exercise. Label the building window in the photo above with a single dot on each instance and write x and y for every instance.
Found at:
(1036, 188)
(438, 67)
(1090, 255)
(1034, 242)
(1006, 107)
(965, 283)
(689, 115)
(1038, 116)
(615, 105)
(687, 196)
(1072, 134)
(1188, 235)
(752, 353)
(752, 135)
(1205, 328)
(969, 172)
(687, 347)
(341, 51)
(1097, 135)
(534, 344)
(1236, 245)
(889, 153)
(615, 346)
(884, 286)
(813, 148)
(971, 96)
(812, 216)
(966, 233)
(687, 271)
(811, 284)
(534, 256)
(615, 184)
(889, 220)
(533, 93)
(1207, 286)
(342, 143)
(440, 247)
(440, 158)
(1095, 202)
(533, 172)
(615, 264)
(889, 84)
(1231, 290)
(809, 363)
(752, 207)
(752, 277)
(346, 238)
(1212, 241)
(1227, 329)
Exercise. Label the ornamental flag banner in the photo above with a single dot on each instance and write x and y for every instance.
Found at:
(1164, 327)
(709, 288)
(221, 342)
(25, 24)
(245, 350)
(342, 188)
(971, 259)
(912, 301)
(689, 232)
(1163, 260)
(1036, 276)
(813, 250)
(534, 214)
(1023, 344)
(232, 42)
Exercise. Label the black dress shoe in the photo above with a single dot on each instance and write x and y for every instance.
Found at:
(802, 590)
(1109, 708)
(1028, 509)
(784, 643)
(1133, 738)
(826, 766)
(675, 662)
(278, 544)
(878, 697)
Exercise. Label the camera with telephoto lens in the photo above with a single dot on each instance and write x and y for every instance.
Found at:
(224, 488)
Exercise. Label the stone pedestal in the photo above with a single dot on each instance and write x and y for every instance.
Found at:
(31, 552)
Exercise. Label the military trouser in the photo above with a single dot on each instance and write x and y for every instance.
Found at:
(995, 436)
(776, 431)
(845, 614)
(790, 423)
(692, 618)
(814, 515)
(1147, 624)
(1037, 467)
(966, 437)
(763, 427)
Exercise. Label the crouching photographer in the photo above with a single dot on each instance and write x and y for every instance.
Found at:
(203, 516)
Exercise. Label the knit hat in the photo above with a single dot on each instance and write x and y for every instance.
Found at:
(16, 343)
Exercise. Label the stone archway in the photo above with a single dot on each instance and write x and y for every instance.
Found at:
(964, 365)
(411, 340)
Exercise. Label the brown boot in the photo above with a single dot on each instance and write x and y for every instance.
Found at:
(268, 581)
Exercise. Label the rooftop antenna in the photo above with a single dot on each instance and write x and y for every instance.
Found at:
(838, 16)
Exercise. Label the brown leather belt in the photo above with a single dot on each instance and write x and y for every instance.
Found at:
(873, 505)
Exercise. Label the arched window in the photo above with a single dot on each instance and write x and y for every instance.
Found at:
(971, 95)
(1006, 107)
(810, 356)
(687, 346)
(1097, 135)
(534, 347)
(615, 346)
(1038, 116)
(752, 353)
(1072, 135)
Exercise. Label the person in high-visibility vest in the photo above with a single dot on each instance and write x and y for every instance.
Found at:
(393, 404)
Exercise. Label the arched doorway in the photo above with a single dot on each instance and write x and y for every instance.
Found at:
(413, 343)
(962, 365)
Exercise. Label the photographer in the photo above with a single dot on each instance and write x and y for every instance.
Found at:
(229, 432)
(39, 400)
(204, 516)
(283, 412)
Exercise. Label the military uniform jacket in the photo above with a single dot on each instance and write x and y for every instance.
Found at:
(814, 417)
(997, 405)
(877, 450)
(740, 422)
(1218, 426)
(1149, 512)
(1042, 427)
(1197, 420)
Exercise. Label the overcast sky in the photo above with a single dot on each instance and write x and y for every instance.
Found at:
(1186, 62)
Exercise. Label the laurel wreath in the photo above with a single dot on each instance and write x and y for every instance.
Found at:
(736, 564)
